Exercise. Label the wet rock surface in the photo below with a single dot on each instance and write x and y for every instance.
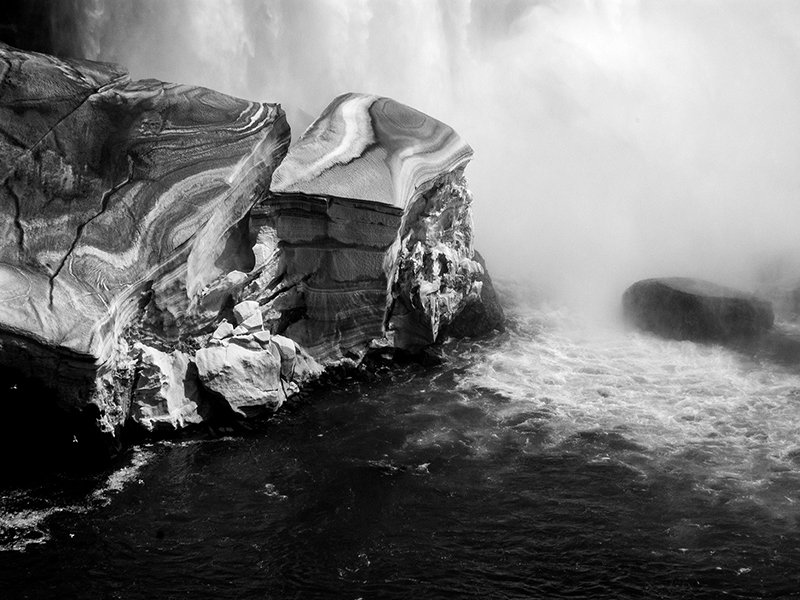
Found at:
(693, 309)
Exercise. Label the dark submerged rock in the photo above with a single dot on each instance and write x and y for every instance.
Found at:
(682, 308)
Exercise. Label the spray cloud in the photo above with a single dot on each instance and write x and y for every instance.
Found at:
(615, 140)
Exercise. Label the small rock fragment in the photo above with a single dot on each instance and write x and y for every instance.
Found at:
(262, 337)
(245, 309)
(254, 321)
(222, 331)
(166, 395)
(288, 352)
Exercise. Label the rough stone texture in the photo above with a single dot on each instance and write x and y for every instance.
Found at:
(254, 372)
(437, 275)
(245, 378)
(481, 315)
(117, 195)
(692, 309)
(287, 350)
(367, 231)
(165, 395)
(156, 259)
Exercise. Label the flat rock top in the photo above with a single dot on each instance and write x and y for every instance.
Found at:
(696, 287)
(370, 148)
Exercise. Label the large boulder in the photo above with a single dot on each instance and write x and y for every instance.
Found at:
(163, 258)
(692, 309)
(254, 371)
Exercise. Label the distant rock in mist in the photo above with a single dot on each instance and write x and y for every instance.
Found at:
(692, 309)
(164, 259)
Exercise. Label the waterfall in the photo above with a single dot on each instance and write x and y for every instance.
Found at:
(614, 139)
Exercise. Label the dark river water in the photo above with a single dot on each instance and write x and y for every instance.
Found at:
(553, 461)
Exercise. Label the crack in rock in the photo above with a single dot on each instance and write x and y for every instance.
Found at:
(79, 232)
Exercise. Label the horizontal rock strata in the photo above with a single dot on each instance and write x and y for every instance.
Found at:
(692, 309)
(367, 231)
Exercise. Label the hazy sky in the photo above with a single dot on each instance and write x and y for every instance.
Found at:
(614, 140)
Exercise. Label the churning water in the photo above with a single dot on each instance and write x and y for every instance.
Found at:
(555, 460)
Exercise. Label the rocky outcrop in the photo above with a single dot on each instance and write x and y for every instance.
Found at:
(692, 309)
(367, 232)
(162, 261)
(117, 196)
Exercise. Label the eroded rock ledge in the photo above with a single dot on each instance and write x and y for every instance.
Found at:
(164, 259)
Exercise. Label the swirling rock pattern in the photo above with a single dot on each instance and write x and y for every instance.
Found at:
(367, 231)
(116, 194)
(371, 148)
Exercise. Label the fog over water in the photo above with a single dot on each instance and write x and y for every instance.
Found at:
(614, 140)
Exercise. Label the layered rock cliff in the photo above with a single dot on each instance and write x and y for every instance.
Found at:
(164, 259)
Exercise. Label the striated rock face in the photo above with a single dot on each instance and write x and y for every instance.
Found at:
(164, 261)
(370, 148)
(117, 196)
(692, 309)
(367, 231)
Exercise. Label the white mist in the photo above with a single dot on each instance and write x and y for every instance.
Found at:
(614, 140)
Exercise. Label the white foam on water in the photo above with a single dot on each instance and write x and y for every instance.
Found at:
(20, 528)
(123, 476)
(271, 491)
(702, 410)
(24, 513)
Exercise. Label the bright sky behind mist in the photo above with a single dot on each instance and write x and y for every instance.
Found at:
(614, 140)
